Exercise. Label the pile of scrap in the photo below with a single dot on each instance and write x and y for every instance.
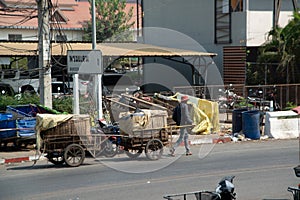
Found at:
(205, 113)
(128, 103)
(144, 123)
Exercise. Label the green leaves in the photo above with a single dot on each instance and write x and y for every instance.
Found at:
(62, 104)
(283, 48)
(111, 21)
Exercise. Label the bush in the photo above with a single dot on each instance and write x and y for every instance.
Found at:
(19, 99)
(289, 106)
(63, 104)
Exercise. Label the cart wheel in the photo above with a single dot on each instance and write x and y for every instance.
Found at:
(58, 160)
(74, 155)
(154, 149)
(110, 149)
(133, 153)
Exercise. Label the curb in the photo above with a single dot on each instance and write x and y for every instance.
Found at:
(221, 140)
(21, 159)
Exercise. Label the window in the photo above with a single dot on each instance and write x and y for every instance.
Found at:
(237, 5)
(14, 37)
(225, 6)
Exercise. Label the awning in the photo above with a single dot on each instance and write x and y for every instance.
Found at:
(107, 49)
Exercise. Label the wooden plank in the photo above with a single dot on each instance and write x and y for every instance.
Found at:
(121, 104)
(145, 102)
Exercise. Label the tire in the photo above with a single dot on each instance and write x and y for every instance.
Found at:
(133, 153)
(154, 149)
(110, 149)
(74, 155)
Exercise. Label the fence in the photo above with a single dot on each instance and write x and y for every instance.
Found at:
(282, 93)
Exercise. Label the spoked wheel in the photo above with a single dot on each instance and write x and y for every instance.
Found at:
(154, 149)
(56, 159)
(74, 155)
(134, 153)
(110, 149)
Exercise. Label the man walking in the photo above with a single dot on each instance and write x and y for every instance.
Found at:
(183, 119)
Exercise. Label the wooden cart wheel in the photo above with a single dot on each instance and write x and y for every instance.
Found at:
(154, 149)
(57, 160)
(134, 153)
(74, 155)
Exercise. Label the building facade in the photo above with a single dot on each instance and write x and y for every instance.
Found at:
(230, 28)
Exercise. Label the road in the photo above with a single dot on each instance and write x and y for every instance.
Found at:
(263, 170)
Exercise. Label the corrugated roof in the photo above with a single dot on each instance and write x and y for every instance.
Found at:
(76, 13)
(139, 49)
(107, 49)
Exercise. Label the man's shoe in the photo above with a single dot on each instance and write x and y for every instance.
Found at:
(188, 154)
(172, 152)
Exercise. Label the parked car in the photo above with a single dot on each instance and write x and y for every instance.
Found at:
(113, 83)
(118, 83)
(59, 88)
(6, 89)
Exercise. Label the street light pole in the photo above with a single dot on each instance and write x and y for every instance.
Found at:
(44, 53)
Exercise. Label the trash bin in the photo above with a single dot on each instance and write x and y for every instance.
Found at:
(5, 116)
(237, 119)
(251, 124)
(28, 125)
(8, 128)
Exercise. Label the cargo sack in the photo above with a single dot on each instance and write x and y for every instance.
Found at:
(177, 115)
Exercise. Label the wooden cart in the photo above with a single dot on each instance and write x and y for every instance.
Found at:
(150, 137)
(68, 142)
(152, 141)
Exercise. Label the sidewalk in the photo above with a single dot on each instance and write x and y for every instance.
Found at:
(13, 155)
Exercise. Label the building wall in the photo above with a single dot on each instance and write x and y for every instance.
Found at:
(191, 17)
(31, 34)
(195, 18)
(260, 19)
(27, 34)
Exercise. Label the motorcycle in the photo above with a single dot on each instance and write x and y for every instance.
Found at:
(272, 97)
(228, 98)
(295, 190)
(224, 191)
(112, 144)
(265, 102)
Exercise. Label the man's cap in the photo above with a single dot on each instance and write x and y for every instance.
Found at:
(184, 98)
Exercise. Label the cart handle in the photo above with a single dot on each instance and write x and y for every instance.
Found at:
(175, 127)
(197, 193)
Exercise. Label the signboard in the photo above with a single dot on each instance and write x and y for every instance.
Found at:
(85, 62)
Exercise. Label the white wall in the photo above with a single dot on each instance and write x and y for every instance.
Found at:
(27, 34)
(259, 23)
(31, 34)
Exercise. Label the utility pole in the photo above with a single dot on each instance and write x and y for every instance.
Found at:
(44, 53)
(97, 77)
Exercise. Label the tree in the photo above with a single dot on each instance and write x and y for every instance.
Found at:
(112, 22)
(283, 48)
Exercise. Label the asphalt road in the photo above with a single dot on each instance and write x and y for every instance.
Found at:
(263, 170)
